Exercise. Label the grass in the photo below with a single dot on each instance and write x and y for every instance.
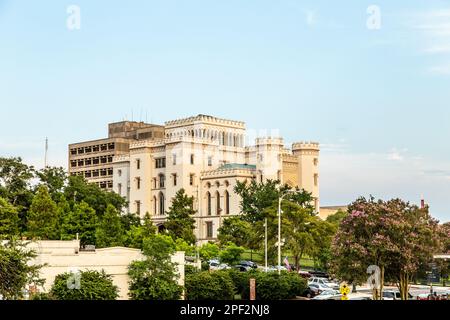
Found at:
(258, 257)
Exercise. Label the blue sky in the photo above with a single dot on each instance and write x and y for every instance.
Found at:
(377, 100)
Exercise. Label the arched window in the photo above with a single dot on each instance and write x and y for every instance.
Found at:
(208, 201)
(162, 205)
(227, 202)
(155, 206)
(218, 209)
(162, 181)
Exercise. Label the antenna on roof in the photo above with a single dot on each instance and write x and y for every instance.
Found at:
(46, 153)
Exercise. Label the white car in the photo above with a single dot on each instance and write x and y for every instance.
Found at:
(327, 295)
(216, 265)
(324, 282)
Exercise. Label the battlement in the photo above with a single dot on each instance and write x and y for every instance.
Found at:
(269, 140)
(305, 146)
(205, 119)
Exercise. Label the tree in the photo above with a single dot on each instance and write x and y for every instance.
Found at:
(9, 220)
(82, 221)
(394, 235)
(209, 251)
(43, 219)
(78, 190)
(85, 285)
(180, 222)
(54, 179)
(337, 218)
(15, 181)
(17, 270)
(155, 278)
(136, 235)
(110, 232)
(236, 230)
(231, 254)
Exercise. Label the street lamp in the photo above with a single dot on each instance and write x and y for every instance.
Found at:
(279, 227)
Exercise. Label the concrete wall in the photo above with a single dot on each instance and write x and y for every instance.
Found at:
(64, 256)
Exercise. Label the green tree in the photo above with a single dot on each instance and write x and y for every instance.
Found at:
(180, 222)
(54, 179)
(9, 220)
(155, 278)
(337, 218)
(15, 182)
(17, 270)
(209, 251)
(85, 285)
(43, 219)
(231, 254)
(136, 235)
(109, 231)
(82, 221)
(78, 190)
(237, 230)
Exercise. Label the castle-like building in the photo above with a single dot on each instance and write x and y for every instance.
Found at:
(204, 155)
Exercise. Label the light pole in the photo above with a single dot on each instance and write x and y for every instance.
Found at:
(265, 245)
(279, 228)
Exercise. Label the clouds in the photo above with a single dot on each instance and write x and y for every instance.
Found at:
(311, 18)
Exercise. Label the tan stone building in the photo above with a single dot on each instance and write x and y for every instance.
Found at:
(93, 160)
(207, 156)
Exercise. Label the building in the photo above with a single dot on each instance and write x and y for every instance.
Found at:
(93, 159)
(206, 156)
(325, 212)
(59, 257)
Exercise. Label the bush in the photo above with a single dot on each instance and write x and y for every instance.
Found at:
(42, 296)
(190, 269)
(93, 285)
(206, 285)
(272, 286)
(241, 280)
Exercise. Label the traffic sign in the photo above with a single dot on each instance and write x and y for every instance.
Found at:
(345, 290)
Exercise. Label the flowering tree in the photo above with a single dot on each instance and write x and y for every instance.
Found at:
(395, 236)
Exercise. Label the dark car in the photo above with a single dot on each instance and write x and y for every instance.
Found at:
(242, 268)
(311, 291)
(249, 264)
(319, 274)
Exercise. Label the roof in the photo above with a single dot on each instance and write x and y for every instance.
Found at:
(238, 166)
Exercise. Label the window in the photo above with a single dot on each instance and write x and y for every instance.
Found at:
(138, 164)
(155, 206)
(119, 172)
(227, 202)
(192, 159)
(209, 161)
(162, 181)
(174, 159)
(218, 209)
(162, 208)
(160, 163)
(138, 207)
(209, 229)
(174, 179)
(208, 201)
(316, 179)
(138, 183)
(154, 183)
(191, 179)
(316, 161)
(119, 188)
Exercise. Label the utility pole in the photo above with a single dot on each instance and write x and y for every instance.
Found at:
(265, 246)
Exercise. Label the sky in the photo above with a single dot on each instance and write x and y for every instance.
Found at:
(371, 84)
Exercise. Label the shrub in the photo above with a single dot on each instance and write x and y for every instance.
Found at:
(190, 269)
(206, 285)
(93, 285)
(272, 286)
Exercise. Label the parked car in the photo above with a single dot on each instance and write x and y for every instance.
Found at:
(324, 282)
(311, 292)
(250, 264)
(394, 295)
(305, 274)
(272, 268)
(216, 265)
(328, 295)
(319, 287)
(242, 268)
(319, 274)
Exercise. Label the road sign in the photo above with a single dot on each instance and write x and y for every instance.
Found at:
(345, 290)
